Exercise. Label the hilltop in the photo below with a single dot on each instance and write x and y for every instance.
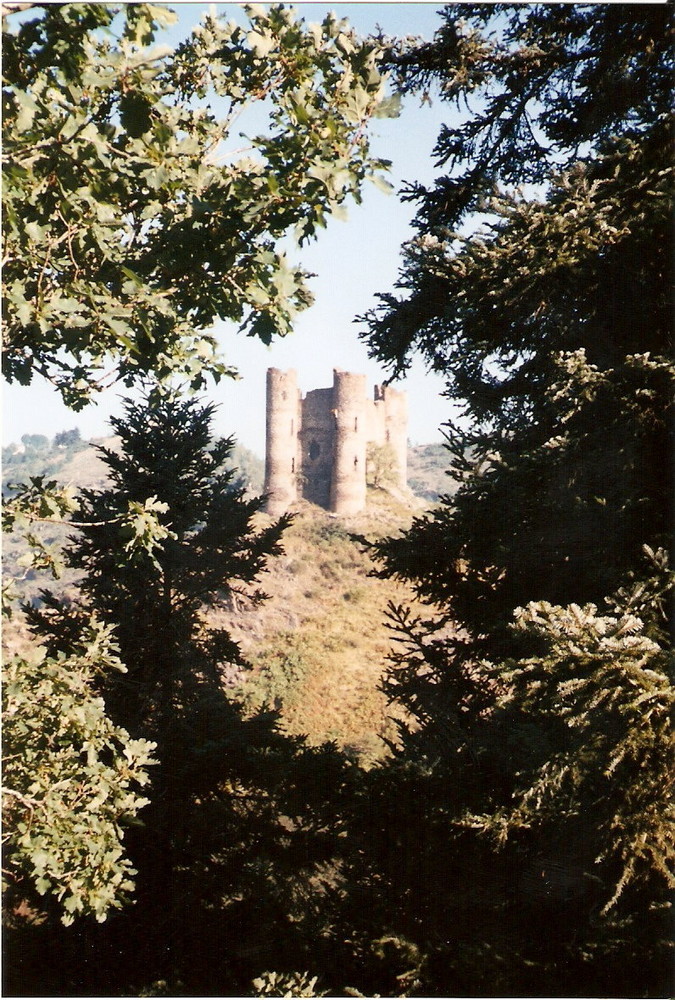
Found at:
(71, 460)
(427, 475)
(318, 646)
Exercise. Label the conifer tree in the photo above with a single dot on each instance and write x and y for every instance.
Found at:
(552, 324)
(155, 599)
(240, 817)
(537, 760)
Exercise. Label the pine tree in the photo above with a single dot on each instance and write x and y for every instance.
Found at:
(552, 325)
(241, 819)
(156, 598)
(536, 762)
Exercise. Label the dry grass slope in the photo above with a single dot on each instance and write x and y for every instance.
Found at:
(319, 645)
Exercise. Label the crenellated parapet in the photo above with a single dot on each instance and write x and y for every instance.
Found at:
(317, 446)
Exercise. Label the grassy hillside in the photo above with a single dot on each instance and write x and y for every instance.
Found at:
(318, 646)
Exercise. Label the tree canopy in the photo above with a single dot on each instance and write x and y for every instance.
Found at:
(539, 686)
(519, 839)
(71, 781)
(136, 215)
(542, 86)
(552, 324)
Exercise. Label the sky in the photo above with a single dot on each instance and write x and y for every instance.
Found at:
(352, 262)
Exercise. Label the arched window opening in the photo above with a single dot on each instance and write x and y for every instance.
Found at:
(356, 423)
(292, 465)
(314, 450)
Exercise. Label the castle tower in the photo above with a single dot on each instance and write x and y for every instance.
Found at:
(396, 429)
(282, 459)
(316, 446)
(348, 486)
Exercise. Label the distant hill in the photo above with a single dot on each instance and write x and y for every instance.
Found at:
(36, 455)
(78, 462)
(71, 461)
(427, 476)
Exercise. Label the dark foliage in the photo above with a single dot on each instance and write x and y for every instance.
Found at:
(541, 84)
(244, 823)
(553, 329)
(532, 760)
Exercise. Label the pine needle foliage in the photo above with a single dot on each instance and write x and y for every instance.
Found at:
(155, 596)
(537, 772)
(611, 686)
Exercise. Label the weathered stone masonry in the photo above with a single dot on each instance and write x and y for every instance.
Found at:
(316, 445)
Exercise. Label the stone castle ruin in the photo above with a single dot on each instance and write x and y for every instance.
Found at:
(317, 445)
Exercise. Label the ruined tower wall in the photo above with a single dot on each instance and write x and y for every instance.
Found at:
(283, 426)
(396, 429)
(348, 487)
(316, 445)
(375, 420)
(388, 425)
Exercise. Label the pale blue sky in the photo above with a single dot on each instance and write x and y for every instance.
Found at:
(353, 261)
